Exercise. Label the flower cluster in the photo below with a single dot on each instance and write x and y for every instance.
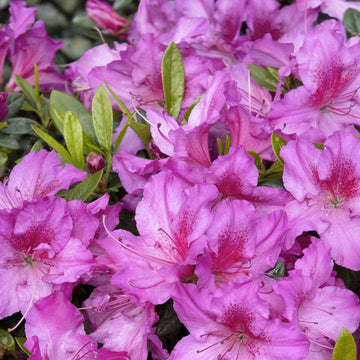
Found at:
(239, 158)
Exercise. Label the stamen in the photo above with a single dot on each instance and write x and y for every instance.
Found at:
(91, 343)
(100, 34)
(125, 246)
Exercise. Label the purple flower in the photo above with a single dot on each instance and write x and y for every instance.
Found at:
(326, 186)
(4, 109)
(330, 73)
(38, 174)
(233, 324)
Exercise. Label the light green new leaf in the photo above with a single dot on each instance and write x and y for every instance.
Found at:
(102, 115)
(73, 136)
(3, 158)
(277, 143)
(345, 348)
(62, 152)
(173, 79)
(27, 90)
(83, 190)
(64, 102)
(258, 162)
(142, 131)
(191, 107)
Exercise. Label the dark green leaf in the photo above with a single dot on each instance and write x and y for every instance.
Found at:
(278, 271)
(83, 190)
(62, 152)
(64, 102)
(277, 143)
(14, 102)
(7, 340)
(18, 126)
(21, 341)
(27, 90)
(173, 79)
(73, 136)
(345, 347)
(352, 22)
(8, 142)
(264, 77)
(102, 114)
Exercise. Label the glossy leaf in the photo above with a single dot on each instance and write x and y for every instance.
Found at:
(15, 102)
(173, 79)
(62, 152)
(27, 90)
(64, 102)
(102, 115)
(277, 143)
(18, 126)
(83, 190)
(119, 103)
(73, 136)
(9, 142)
(345, 347)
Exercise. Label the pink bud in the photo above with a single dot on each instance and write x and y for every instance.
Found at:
(103, 15)
(95, 162)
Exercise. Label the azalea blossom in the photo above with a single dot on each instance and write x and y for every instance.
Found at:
(325, 184)
(233, 324)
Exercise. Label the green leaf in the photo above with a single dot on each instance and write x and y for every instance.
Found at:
(14, 102)
(18, 126)
(173, 79)
(263, 77)
(102, 114)
(62, 152)
(21, 341)
(278, 271)
(190, 108)
(3, 158)
(7, 340)
(3, 125)
(142, 131)
(58, 119)
(36, 87)
(258, 162)
(27, 90)
(119, 103)
(277, 143)
(352, 22)
(345, 348)
(8, 142)
(64, 102)
(37, 146)
(83, 190)
(73, 136)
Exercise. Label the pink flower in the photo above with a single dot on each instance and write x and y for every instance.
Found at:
(38, 174)
(41, 249)
(326, 186)
(54, 329)
(330, 73)
(233, 324)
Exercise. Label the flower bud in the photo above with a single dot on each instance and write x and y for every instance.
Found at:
(104, 16)
(95, 162)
